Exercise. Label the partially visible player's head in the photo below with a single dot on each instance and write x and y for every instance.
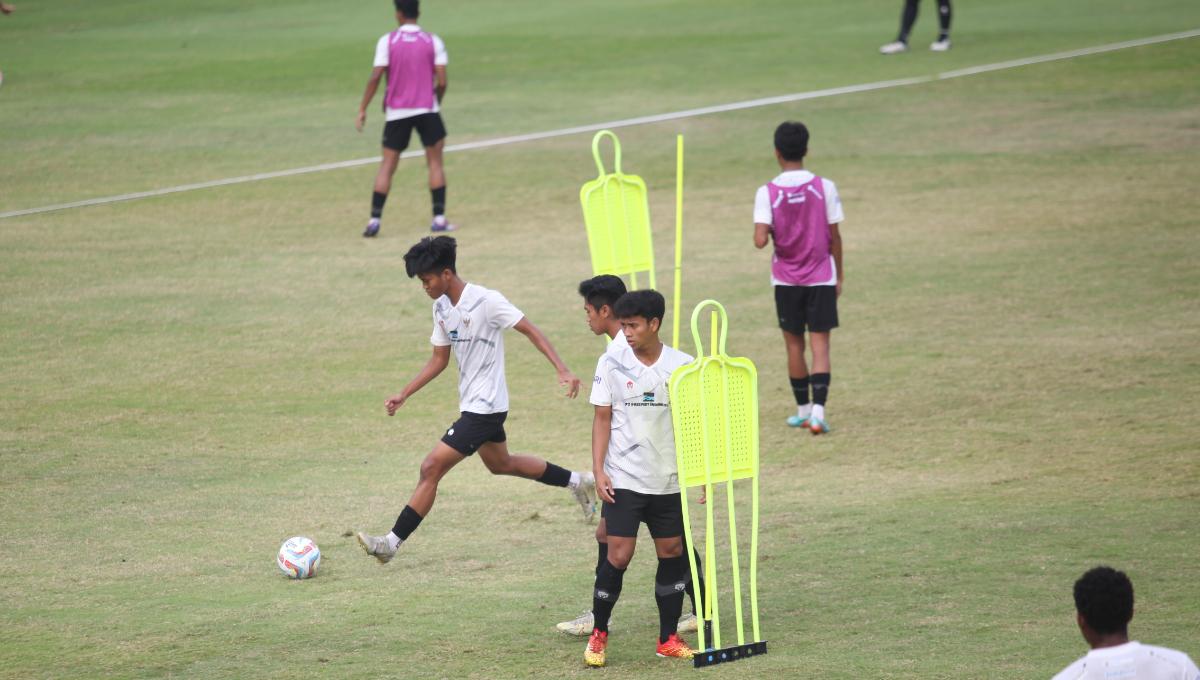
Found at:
(791, 142)
(1104, 602)
(641, 313)
(432, 261)
(600, 293)
(410, 9)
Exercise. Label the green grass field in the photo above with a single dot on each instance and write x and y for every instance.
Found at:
(186, 381)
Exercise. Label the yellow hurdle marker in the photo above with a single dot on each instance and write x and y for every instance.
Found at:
(678, 239)
(714, 412)
(617, 216)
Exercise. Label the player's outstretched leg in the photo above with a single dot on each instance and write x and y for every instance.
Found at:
(383, 184)
(437, 186)
(582, 485)
(433, 468)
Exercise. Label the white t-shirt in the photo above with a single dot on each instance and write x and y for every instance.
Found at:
(795, 178)
(641, 443)
(1132, 661)
(617, 343)
(382, 57)
(475, 330)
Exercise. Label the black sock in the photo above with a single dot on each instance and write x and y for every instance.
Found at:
(669, 584)
(820, 387)
(601, 556)
(604, 597)
(439, 200)
(691, 587)
(800, 390)
(907, 18)
(555, 476)
(944, 19)
(377, 201)
(406, 523)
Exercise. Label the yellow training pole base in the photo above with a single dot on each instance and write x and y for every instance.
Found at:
(712, 657)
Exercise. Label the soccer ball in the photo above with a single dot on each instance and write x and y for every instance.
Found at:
(298, 557)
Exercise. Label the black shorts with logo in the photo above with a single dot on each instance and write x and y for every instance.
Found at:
(814, 307)
(662, 513)
(473, 430)
(429, 126)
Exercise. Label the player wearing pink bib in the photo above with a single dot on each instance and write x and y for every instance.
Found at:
(800, 213)
(415, 64)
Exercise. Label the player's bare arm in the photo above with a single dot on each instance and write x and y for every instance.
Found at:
(835, 249)
(601, 431)
(565, 377)
(436, 364)
(6, 8)
(368, 95)
(762, 235)
(440, 82)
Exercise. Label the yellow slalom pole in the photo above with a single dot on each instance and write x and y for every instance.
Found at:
(678, 238)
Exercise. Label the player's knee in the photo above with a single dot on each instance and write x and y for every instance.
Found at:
(669, 549)
(619, 556)
(431, 469)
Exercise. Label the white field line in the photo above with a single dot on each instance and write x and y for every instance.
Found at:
(626, 122)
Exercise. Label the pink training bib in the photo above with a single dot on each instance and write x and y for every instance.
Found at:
(800, 229)
(410, 70)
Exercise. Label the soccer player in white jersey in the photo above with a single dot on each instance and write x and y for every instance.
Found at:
(600, 295)
(1103, 610)
(415, 64)
(470, 320)
(633, 460)
(800, 213)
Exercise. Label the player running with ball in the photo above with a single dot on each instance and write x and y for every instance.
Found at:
(471, 320)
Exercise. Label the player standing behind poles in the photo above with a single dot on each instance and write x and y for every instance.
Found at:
(633, 460)
(800, 212)
(415, 63)
(1103, 610)
(908, 17)
(600, 295)
(470, 319)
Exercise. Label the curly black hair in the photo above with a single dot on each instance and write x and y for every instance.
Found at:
(602, 290)
(431, 254)
(411, 9)
(791, 140)
(648, 304)
(1104, 596)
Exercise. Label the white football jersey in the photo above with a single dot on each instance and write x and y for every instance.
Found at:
(641, 443)
(474, 329)
(1132, 661)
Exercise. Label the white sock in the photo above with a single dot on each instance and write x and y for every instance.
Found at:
(818, 411)
(574, 483)
(804, 411)
(439, 220)
(393, 540)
